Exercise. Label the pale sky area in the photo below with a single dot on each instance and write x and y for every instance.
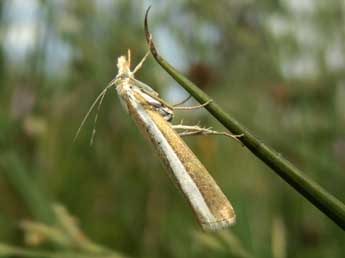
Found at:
(23, 32)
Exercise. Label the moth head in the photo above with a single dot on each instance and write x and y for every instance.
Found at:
(123, 66)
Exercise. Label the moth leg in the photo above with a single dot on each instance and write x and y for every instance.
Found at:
(193, 107)
(183, 101)
(192, 130)
(141, 62)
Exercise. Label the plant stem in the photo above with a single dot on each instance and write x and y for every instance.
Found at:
(7, 250)
(324, 201)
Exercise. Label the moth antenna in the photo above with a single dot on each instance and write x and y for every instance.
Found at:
(96, 118)
(99, 97)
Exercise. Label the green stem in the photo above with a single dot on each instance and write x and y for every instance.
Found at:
(318, 196)
(7, 250)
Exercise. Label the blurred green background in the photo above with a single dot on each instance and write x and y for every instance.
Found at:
(277, 66)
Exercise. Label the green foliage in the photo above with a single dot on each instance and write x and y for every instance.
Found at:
(276, 67)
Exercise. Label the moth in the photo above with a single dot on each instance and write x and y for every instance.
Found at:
(153, 117)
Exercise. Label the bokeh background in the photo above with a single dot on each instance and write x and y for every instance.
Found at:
(276, 66)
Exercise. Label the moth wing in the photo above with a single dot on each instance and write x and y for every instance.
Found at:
(166, 112)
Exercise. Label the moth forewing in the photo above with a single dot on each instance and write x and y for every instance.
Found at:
(208, 202)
